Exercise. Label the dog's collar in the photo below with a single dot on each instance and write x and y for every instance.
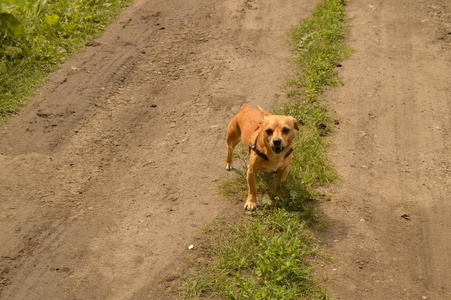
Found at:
(261, 154)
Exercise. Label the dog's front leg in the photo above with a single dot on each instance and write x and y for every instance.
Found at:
(282, 175)
(252, 193)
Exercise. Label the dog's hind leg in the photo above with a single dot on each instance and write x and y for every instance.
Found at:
(232, 139)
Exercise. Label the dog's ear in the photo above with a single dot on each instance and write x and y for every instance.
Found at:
(265, 113)
(295, 122)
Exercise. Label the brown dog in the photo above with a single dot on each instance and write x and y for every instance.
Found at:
(269, 140)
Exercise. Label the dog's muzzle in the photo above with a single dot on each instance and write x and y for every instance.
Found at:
(277, 145)
(277, 150)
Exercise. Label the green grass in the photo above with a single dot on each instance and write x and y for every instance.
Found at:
(264, 258)
(36, 35)
(269, 254)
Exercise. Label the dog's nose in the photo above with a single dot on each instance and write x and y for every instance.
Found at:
(277, 141)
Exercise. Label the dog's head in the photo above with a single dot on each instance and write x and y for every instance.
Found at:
(278, 131)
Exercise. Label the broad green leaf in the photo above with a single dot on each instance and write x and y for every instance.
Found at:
(14, 25)
(7, 6)
(51, 19)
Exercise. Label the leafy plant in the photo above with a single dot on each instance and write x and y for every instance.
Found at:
(9, 24)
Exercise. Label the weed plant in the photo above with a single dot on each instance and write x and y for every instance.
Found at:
(35, 35)
(268, 255)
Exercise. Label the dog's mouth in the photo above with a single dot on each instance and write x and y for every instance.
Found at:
(277, 150)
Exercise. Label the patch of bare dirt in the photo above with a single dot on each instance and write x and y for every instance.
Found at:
(112, 170)
(390, 228)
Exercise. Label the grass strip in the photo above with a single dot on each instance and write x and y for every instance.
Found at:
(268, 255)
(36, 35)
(318, 44)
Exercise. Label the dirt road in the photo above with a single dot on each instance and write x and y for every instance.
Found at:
(390, 219)
(111, 172)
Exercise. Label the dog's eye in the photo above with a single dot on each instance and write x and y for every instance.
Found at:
(286, 130)
(269, 131)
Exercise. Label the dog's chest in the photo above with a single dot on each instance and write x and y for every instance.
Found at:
(273, 166)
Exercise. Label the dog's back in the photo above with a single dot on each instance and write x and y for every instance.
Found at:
(248, 120)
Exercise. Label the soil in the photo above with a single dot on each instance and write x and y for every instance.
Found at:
(111, 172)
(390, 228)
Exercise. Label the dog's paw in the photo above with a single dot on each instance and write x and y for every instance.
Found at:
(229, 167)
(250, 205)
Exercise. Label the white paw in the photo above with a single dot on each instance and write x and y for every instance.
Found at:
(250, 205)
(229, 167)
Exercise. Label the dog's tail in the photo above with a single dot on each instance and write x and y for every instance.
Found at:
(245, 106)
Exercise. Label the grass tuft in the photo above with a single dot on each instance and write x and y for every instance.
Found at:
(269, 254)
